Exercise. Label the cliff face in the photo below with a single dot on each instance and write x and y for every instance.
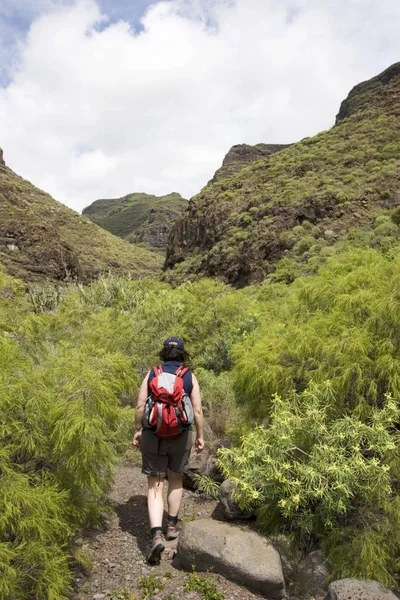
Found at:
(139, 218)
(243, 155)
(373, 93)
(43, 239)
(298, 200)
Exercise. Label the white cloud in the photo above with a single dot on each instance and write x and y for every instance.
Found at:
(95, 110)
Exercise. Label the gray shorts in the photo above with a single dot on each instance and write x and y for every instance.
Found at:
(158, 454)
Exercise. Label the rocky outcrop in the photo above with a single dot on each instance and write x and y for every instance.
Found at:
(238, 554)
(366, 94)
(139, 218)
(242, 155)
(357, 589)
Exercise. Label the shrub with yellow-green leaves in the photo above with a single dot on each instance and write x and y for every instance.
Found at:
(318, 473)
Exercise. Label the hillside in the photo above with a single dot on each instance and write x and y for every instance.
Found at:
(139, 218)
(242, 155)
(298, 201)
(41, 238)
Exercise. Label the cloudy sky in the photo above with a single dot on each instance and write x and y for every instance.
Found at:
(100, 98)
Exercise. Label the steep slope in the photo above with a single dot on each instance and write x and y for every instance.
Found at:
(41, 238)
(139, 217)
(299, 200)
(242, 155)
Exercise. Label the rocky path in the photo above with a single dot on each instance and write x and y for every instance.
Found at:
(117, 553)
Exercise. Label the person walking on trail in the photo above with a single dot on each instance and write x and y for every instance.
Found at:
(169, 402)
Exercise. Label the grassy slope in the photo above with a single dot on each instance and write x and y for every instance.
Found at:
(240, 227)
(56, 242)
(138, 217)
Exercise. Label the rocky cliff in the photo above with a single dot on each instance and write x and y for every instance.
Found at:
(43, 239)
(242, 155)
(293, 204)
(139, 218)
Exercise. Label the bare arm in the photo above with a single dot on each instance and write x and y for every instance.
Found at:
(141, 401)
(195, 397)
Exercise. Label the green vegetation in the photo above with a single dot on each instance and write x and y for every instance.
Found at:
(43, 239)
(149, 586)
(138, 218)
(204, 585)
(302, 371)
(207, 485)
(295, 203)
(324, 465)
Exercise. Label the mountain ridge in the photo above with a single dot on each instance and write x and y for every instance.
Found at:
(41, 238)
(296, 202)
(138, 217)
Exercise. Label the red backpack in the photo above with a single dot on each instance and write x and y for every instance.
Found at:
(168, 409)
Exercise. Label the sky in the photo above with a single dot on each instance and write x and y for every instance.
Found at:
(102, 98)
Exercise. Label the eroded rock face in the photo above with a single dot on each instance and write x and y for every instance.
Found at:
(238, 554)
(363, 94)
(241, 155)
(358, 589)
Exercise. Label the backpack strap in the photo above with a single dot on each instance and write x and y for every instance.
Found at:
(157, 371)
(181, 371)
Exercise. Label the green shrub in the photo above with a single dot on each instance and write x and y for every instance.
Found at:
(314, 469)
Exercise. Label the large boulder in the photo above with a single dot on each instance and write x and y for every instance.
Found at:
(358, 589)
(230, 508)
(235, 552)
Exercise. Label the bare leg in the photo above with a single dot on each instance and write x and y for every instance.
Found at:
(155, 503)
(175, 490)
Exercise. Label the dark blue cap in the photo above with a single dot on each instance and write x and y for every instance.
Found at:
(174, 342)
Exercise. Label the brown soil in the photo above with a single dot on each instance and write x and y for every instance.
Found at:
(118, 551)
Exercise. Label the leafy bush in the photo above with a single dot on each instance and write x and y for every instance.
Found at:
(314, 471)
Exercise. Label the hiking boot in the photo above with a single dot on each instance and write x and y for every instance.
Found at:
(172, 531)
(157, 548)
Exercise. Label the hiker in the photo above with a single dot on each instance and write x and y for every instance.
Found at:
(164, 436)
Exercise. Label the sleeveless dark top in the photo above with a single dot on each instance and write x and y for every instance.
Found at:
(170, 367)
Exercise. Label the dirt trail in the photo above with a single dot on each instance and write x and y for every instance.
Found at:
(118, 552)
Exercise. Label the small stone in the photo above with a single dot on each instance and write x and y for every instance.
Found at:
(98, 597)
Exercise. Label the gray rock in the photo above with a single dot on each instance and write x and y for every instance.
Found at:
(197, 466)
(212, 470)
(98, 597)
(289, 553)
(312, 574)
(230, 509)
(237, 553)
(358, 589)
